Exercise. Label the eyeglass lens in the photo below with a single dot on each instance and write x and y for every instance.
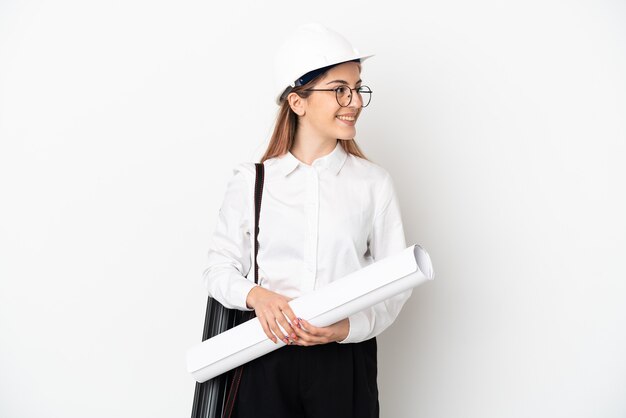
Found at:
(344, 95)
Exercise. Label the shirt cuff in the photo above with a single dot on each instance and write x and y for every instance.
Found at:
(359, 327)
(239, 289)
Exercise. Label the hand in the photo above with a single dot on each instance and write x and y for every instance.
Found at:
(272, 309)
(310, 335)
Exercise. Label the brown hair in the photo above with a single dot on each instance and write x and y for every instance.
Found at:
(287, 124)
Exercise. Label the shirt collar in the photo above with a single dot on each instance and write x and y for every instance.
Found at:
(332, 161)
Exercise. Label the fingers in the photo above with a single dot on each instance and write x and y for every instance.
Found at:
(276, 331)
(275, 315)
(287, 312)
(282, 321)
(266, 328)
(270, 326)
(310, 329)
(267, 319)
(272, 321)
(310, 335)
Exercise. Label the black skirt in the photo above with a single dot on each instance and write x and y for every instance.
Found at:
(321, 381)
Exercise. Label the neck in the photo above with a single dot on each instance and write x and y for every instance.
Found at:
(308, 148)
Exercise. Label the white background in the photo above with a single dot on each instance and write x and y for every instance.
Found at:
(502, 123)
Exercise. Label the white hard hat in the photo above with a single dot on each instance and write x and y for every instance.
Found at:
(310, 47)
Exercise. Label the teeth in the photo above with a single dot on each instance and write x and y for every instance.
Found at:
(350, 118)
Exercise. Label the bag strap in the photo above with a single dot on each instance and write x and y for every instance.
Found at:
(258, 194)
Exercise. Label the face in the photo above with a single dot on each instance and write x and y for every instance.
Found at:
(323, 116)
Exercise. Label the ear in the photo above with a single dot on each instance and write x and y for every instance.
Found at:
(297, 104)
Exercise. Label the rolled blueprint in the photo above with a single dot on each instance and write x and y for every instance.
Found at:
(338, 300)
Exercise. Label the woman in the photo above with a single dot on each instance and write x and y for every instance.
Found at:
(326, 212)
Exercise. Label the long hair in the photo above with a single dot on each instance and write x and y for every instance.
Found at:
(287, 124)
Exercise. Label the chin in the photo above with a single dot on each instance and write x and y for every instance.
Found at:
(346, 135)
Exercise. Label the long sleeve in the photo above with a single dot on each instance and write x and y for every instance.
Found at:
(386, 238)
(229, 255)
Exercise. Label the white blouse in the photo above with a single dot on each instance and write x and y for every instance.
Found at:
(318, 223)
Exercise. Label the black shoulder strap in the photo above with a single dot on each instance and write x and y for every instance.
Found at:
(258, 194)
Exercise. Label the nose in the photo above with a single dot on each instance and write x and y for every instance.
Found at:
(357, 100)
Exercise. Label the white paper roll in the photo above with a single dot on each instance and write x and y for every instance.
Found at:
(340, 299)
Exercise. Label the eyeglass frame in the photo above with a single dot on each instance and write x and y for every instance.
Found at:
(351, 90)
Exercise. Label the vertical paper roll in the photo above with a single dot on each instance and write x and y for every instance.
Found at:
(343, 297)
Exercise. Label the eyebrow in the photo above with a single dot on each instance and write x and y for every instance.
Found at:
(343, 82)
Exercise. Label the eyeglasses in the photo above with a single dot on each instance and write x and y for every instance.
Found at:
(344, 94)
